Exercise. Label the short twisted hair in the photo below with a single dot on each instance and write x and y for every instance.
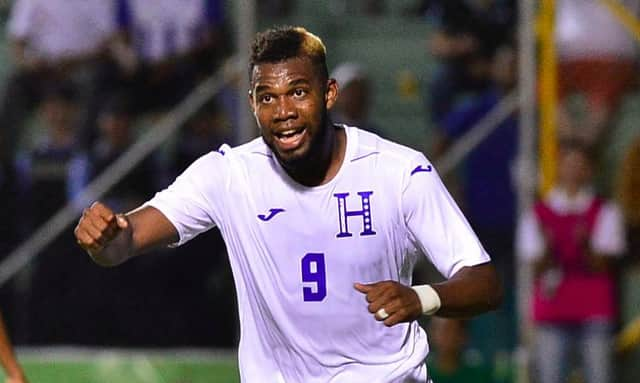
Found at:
(282, 43)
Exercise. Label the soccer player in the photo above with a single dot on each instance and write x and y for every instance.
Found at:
(323, 224)
(13, 371)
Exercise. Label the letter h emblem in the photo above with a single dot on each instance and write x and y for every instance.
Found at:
(344, 214)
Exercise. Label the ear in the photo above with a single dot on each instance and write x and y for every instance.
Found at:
(331, 95)
(251, 100)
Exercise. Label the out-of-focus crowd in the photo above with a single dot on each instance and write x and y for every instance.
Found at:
(87, 71)
(580, 239)
(575, 235)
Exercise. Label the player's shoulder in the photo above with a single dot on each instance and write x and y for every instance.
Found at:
(233, 156)
(254, 150)
(384, 152)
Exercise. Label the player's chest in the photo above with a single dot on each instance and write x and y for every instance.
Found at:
(343, 213)
(317, 243)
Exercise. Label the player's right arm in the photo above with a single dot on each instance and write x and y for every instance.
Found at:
(111, 238)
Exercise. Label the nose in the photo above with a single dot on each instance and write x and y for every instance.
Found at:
(285, 109)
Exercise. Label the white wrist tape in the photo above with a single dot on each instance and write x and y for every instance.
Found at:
(429, 299)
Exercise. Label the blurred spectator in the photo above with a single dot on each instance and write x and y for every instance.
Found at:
(51, 41)
(10, 234)
(572, 239)
(275, 8)
(449, 363)
(204, 132)
(45, 172)
(164, 289)
(628, 193)
(163, 50)
(488, 192)
(488, 167)
(600, 66)
(10, 208)
(200, 271)
(358, 7)
(115, 137)
(468, 32)
(354, 99)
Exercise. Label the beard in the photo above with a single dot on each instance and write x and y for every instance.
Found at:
(311, 158)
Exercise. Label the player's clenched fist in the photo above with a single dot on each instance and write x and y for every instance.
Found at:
(98, 226)
(391, 302)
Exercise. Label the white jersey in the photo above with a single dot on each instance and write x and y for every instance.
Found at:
(297, 251)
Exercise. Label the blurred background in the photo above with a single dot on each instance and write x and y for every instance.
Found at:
(525, 107)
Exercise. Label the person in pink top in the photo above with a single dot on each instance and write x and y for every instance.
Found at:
(572, 238)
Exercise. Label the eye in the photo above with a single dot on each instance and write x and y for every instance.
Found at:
(266, 99)
(299, 92)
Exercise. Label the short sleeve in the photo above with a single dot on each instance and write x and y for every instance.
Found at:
(436, 224)
(21, 19)
(530, 241)
(608, 232)
(193, 203)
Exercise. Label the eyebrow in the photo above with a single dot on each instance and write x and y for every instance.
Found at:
(261, 88)
(299, 82)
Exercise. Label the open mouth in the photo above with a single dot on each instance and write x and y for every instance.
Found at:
(291, 138)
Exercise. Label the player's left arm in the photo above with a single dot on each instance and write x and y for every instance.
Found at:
(438, 228)
(470, 291)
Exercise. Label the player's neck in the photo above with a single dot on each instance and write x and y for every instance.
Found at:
(324, 166)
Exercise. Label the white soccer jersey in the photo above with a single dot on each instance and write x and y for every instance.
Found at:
(297, 251)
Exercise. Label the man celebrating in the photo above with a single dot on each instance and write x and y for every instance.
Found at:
(323, 225)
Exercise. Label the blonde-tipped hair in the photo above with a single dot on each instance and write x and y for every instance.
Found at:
(311, 45)
(282, 43)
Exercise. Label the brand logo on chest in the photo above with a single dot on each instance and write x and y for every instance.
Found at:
(271, 214)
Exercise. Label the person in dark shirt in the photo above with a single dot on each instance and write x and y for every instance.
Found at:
(468, 33)
(488, 191)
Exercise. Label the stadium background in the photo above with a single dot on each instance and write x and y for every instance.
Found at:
(392, 44)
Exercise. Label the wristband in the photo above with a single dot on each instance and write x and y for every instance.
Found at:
(429, 299)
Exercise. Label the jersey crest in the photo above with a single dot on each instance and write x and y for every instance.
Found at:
(344, 214)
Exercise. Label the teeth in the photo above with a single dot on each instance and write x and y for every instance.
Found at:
(288, 133)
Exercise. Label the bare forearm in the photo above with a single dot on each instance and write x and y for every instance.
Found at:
(471, 291)
(111, 239)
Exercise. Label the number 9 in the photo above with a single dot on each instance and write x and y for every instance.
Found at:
(313, 271)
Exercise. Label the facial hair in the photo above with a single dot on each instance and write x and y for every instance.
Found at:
(315, 159)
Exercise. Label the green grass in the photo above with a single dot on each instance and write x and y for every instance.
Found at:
(127, 368)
